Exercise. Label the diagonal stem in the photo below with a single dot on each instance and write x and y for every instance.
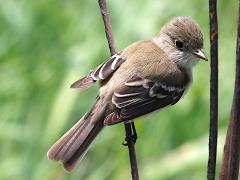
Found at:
(129, 127)
(107, 25)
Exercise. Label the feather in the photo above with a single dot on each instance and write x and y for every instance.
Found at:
(73, 145)
(112, 118)
(83, 83)
(102, 72)
(140, 96)
(107, 68)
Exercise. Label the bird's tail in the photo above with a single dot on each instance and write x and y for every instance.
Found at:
(73, 145)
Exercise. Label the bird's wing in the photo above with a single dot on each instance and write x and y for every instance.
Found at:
(102, 72)
(140, 96)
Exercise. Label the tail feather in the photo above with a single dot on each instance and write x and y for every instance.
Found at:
(81, 151)
(73, 145)
(65, 145)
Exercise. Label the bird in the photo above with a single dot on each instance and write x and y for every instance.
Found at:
(145, 76)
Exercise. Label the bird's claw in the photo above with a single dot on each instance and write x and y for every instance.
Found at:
(133, 137)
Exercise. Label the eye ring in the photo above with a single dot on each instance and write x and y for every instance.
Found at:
(179, 45)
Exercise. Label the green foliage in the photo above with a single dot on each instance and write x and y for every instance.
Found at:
(46, 45)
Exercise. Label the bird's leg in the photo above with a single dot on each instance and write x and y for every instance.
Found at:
(135, 136)
(132, 135)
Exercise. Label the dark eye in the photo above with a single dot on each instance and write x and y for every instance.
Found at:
(179, 44)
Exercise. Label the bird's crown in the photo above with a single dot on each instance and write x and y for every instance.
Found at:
(184, 29)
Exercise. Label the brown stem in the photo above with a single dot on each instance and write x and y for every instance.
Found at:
(128, 126)
(224, 166)
(108, 29)
(213, 90)
(130, 142)
(230, 164)
(234, 153)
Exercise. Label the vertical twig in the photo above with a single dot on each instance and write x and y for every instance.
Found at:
(230, 164)
(213, 90)
(224, 166)
(128, 126)
(130, 142)
(234, 152)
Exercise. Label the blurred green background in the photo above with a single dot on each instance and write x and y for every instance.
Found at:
(46, 45)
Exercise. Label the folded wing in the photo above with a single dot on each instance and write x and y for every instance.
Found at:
(140, 96)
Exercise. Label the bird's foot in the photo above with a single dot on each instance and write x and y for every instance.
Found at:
(132, 137)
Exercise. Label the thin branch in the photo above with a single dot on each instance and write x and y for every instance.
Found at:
(213, 90)
(129, 127)
(224, 166)
(235, 116)
(108, 29)
(231, 156)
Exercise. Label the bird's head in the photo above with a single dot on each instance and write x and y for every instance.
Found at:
(182, 40)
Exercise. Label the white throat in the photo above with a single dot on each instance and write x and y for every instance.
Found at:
(183, 59)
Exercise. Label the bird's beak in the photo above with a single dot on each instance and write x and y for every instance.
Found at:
(199, 53)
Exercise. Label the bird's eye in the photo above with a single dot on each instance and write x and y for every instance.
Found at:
(179, 44)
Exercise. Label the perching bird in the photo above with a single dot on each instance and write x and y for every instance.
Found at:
(145, 76)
